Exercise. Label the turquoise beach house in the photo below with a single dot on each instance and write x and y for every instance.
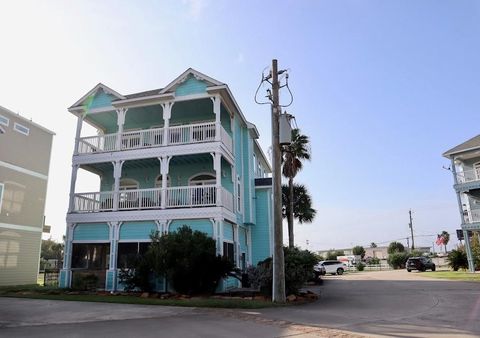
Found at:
(180, 155)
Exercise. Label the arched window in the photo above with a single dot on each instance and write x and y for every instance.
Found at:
(128, 184)
(202, 179)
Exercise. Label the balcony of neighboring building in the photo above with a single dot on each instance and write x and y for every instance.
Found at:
(191, 181)
(468, 178)
(158, 125)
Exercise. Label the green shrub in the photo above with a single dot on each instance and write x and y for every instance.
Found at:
(397, 260)
(372, 260)
(457, 259)
(139, 276)
(298, 270)
(188, 260)
(395, 247)
(360, 266)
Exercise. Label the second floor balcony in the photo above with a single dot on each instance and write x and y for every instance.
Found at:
(471, 216)
(468, 176)
(154, 198)
(155, 137)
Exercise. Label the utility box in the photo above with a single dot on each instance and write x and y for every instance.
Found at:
(285, 129)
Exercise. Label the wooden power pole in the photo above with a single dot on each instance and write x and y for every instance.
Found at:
(278, 291)
(411, 228)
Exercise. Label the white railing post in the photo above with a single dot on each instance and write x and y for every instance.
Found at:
(167, 113)
(78, 133)
(120, 122)
(217, 111)
(117, 174)
(73, 182)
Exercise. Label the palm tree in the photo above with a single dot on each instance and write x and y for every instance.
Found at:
(293, 155)
(302, 206)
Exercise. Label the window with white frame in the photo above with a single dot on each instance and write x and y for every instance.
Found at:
(2, 187)
(477, 170)
(21, 129)
(4, 121)
(239, 197)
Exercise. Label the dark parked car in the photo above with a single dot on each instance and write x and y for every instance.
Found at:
(420, 264)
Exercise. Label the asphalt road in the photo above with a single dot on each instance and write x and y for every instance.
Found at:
(393, 304)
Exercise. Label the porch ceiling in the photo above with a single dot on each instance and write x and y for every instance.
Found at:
(100, 168)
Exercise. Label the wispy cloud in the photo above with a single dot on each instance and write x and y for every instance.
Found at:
(195, 8)
(240, 58)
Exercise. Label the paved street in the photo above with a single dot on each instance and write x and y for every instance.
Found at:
(387, 303)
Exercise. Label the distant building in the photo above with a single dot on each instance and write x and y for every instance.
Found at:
(181, 155)
(24, 162)
(465, 166)
(380, 252)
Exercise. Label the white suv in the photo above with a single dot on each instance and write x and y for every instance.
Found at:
(333, 267)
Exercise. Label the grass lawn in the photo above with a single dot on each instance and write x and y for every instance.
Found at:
(40, 292)
(453, 275)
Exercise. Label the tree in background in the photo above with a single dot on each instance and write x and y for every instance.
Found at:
(373, 245)
(50, 250)
(333, 254)
(302, 206)
(358, 251)
(293, 155)
(395, 247)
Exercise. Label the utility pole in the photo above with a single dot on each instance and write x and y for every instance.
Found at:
(411, 227)
(278, 295)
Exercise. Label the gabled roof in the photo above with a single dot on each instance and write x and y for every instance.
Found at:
(94, 91)
(143, 94)
(471, 144)
(190, 71)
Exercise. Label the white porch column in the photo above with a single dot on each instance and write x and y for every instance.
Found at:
(219, 232)
(236, 244)
(73, 181)
(164, 169)
(67, 255)
(249, 245)
(167, 114)
(114, 237)
(78, 133)
(216, 110)
(217, 166)
(120, 122)
(117, 174)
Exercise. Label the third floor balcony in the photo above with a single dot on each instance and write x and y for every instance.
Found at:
(155, 137)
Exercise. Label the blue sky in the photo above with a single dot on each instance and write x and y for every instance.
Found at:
(381, 87)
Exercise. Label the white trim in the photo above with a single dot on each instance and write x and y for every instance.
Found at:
(1, 195)
(476, 169)
(23, 170)
(181, 78)
(21, 227)
(94, 91)
(134, 240)
(4, 123)
(16, 127)
(90, 241)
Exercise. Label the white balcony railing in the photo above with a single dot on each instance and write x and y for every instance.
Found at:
(139, 199)
(227, 199)
(185, 134)
(191, 196)
(93, 201)
(468, 176)
(471, 216)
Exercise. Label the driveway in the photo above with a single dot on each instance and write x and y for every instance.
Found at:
(391, 303)
(386, 303)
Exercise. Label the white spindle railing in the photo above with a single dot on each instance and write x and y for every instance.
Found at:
(191, 196)
(176, 197)
(93, 201)
(226, 139)
(468, 176)
(472, 216)
(192, 133)
(100, 143)
(227, 199)
(139, 199)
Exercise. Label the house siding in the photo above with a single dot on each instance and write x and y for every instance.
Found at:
(191, 86)
(202, 225)
(261, 231)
